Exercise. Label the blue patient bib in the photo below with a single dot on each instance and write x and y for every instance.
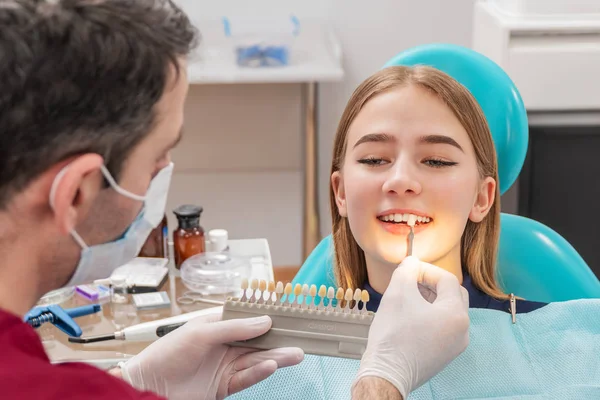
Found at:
(550, 353)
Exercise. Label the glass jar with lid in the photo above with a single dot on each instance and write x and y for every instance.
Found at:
(188, 237)
(215, 273)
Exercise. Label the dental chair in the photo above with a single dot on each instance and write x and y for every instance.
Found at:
(534, 261)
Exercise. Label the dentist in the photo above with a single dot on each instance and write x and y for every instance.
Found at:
(91, 105)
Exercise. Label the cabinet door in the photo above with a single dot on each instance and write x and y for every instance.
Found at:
(560, 185)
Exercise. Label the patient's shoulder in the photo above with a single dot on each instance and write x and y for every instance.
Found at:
(479, 299)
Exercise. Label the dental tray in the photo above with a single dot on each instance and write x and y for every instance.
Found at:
(330, 324)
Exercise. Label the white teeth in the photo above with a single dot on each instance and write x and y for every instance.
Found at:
(412, 220)
(404, 218)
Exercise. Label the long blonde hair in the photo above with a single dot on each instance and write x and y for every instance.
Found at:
(479, 243)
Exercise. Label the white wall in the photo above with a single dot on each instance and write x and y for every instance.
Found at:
(371, 33)
(241, 158)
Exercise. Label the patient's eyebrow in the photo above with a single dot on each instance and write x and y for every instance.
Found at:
(440, 139)
(375, 137)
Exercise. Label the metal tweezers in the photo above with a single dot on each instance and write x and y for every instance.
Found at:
(411, 238)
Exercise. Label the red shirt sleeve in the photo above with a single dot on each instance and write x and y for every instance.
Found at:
(26, 371)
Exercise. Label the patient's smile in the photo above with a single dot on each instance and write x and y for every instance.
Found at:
(396, 221)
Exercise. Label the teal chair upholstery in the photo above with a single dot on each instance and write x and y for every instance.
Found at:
(534, 262)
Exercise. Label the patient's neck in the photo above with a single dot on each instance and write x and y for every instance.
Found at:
(380, 274)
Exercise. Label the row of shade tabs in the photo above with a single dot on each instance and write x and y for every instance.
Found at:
(305, 296)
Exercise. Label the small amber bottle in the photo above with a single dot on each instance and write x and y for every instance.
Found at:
(156, 245)
(188, 238)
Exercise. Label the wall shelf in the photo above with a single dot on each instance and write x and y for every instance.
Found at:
(316, 57)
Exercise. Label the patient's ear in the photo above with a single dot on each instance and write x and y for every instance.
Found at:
(337, 184)
(484, 200)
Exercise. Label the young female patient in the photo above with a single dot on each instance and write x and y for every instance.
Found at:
(415, 141)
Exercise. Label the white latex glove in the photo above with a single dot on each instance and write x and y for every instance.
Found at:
(412, 338)
(192, 362)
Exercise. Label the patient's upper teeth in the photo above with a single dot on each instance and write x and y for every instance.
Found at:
(404, 218)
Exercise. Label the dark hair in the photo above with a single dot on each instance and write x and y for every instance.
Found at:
(81, 76)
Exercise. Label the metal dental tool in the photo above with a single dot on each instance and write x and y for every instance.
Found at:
(411, 236)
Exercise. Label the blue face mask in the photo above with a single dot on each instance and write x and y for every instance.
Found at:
(99, 261)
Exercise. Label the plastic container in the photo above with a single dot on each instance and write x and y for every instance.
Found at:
(118, 289)
(218, 240)
(262, 42)
(215, 273)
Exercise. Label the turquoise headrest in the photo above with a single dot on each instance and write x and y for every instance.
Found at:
(493, 89)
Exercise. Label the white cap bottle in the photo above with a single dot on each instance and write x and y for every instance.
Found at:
(218, 239)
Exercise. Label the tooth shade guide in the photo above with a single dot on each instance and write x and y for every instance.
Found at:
(339, 296)
(270, 292)
(357, 297)
(322, 296)
(279, 291)
(365, 299)
(304, 328)
(313, 297)
(244, 287)
(288, 291)
(305, 290)
(348, 299)
(262, 288)
(412, 220)
(254, 288)
(330, 297)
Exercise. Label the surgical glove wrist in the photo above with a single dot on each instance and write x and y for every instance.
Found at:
(422, 324)
(194, 361)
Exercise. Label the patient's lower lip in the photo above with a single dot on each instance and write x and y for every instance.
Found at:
(401, 229)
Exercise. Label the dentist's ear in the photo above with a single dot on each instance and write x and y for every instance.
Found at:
(484, 200)
(74, 188)
(337, 184)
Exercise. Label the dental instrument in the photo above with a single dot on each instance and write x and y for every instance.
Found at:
(297, 293)
(412, 219)
(192, 297)
(322, 294)
(147, 331)
(60, 317)
(338, 332)
(313, 293)
(271, 291)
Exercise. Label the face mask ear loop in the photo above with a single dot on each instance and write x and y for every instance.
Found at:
(78, 239)
(53, 188)
(118, 188)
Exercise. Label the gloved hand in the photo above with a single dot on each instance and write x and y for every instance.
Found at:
(421, 326)
(192, 362)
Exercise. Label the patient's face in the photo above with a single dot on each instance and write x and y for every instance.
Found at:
(408, 154)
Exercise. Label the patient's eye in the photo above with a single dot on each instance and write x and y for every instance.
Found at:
(439, 163)
(372, 161)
